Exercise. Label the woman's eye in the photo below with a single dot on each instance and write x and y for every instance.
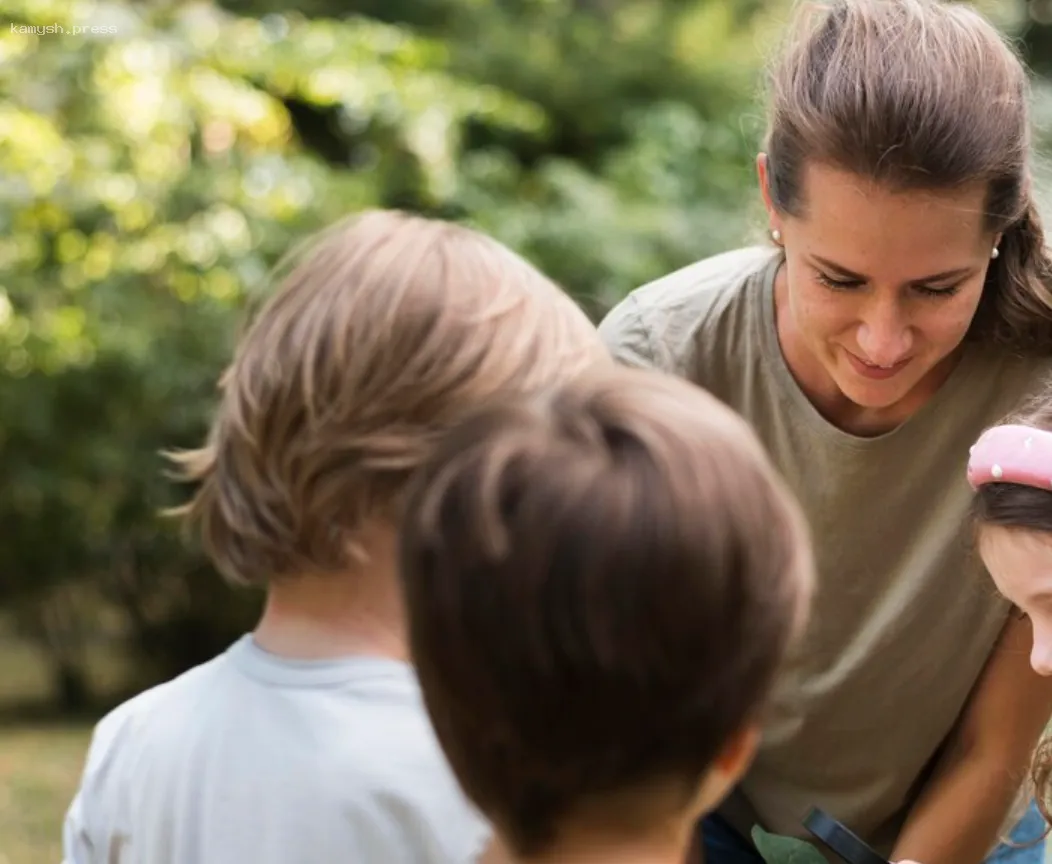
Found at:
(838, 284)
(853, 284)
(938, 292)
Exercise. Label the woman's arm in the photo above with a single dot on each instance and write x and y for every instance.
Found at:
(960, 812)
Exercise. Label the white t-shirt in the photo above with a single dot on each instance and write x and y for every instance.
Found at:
(255, 759)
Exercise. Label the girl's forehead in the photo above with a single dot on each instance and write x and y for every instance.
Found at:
(1019, 558)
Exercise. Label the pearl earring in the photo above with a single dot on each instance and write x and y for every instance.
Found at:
(776, 235)
(996, 253)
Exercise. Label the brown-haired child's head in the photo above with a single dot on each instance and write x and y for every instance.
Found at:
(600, 584)
(388, 330)
(1011, 468)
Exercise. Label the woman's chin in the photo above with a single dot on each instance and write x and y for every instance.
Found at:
(874, 394)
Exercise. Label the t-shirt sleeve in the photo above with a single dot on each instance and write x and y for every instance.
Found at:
(88, 835)
(634, 338)
(79, 845)
(701, 322)
(629, 337)
(76, 842)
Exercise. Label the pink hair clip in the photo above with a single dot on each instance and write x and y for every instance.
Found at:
(1012, 454)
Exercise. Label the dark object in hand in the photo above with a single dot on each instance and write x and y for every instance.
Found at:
(839, 839)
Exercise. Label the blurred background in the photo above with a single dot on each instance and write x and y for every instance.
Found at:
(156, 158)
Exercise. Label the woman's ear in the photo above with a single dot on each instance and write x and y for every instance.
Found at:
(763, 176)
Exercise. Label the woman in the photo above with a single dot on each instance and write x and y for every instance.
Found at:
(904, 307)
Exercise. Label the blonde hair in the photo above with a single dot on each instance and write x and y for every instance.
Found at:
(390, 329)
(920, 95)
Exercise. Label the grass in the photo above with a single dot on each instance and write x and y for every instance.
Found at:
(39, 770)
(41, 759)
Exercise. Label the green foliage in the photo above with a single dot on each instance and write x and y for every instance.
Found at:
(644, 160)
(779, 849)
(151, 176)
(148, 182)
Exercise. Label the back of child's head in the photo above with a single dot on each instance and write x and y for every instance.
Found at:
(388, 330)
(600, 583)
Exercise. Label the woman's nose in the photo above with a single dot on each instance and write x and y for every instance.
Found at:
(884, 335)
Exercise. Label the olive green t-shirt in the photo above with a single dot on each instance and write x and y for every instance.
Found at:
(904, 615)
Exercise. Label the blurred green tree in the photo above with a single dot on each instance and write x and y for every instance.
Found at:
(152, 172)
(149, 179)
(644, 161)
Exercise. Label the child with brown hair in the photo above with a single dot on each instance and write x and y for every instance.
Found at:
(600, 584)
(1010, 468)
(307, 741)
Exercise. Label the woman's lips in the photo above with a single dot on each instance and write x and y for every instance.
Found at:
(874, 372)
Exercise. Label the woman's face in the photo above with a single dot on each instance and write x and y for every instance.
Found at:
(880, 286)
(1020, 563)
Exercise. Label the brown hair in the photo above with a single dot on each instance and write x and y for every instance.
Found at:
(600, 584)
(923, 95)
(388, 329)
(1024, 508)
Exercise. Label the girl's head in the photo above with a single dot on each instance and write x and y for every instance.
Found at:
(896, 176)
(1010, 468)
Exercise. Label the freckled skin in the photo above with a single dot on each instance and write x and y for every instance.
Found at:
(891, 318)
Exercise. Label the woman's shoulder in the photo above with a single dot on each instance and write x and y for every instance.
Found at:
(659, 323)
(707, 278)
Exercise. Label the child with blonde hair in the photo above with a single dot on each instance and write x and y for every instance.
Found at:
(307, 740)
